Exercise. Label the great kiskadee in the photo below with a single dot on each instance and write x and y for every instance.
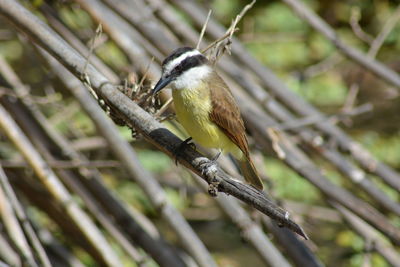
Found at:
(205, 107)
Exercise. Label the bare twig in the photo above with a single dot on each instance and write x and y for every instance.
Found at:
(214, 43)
(65, 164)
(203, 30)
(221, 47)
(376, 44)
(387, 28)
(98, 32)
(310, 120)
(354, 23)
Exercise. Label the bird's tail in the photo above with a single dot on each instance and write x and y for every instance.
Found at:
(249, 172)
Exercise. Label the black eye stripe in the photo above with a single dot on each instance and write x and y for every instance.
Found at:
(177, 53)
(188, 63)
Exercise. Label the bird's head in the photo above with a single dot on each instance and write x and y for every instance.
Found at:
(184, 68)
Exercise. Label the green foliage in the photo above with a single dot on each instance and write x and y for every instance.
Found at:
(223, 9)
(154, 161)
(112, 55)
(134, 195)
(277, 17)
(11, 50)
(285, 54)
(288, 184)
(324, 90)
(385, 148)
(76, 18)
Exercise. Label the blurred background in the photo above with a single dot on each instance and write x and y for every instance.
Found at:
(365, 107)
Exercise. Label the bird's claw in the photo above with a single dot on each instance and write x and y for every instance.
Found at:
(209, 169)
(181, 148)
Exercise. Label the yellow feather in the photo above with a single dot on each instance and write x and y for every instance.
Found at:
(193, 107)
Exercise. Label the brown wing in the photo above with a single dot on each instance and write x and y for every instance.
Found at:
(225, 113)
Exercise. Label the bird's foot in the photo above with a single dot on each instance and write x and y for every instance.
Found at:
(209, 169)
(182, 146)
(216, 157)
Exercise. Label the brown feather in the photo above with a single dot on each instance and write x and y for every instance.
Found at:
(226, 114)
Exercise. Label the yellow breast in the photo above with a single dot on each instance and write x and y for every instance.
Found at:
(193, 107)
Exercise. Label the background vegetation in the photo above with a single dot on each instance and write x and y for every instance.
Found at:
(363, 105)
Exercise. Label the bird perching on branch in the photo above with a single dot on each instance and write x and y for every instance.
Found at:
(206, 107)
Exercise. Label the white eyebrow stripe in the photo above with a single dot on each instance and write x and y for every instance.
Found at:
(171, 65)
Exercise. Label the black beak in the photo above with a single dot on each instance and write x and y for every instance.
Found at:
(161, 84)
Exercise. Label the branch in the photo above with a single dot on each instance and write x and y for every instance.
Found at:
(153, 131)
(203, 30)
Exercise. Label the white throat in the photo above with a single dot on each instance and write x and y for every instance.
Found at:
(191, 78)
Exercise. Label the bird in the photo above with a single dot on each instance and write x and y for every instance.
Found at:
(206, 108)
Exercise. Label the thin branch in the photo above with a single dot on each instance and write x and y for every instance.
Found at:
(220, 39)
(203, 30)
(387, 28)
(98, 33)
(220, 47)
(355, 26)
(64, 164)
(310, 120)
(375, 45)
